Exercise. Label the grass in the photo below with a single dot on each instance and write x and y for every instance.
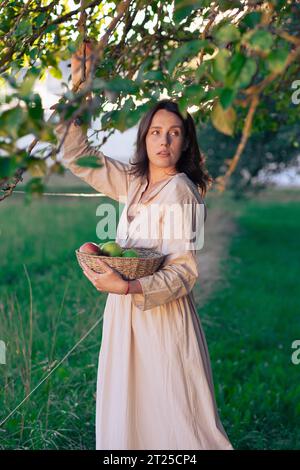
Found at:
(254, 318)
(46, 306)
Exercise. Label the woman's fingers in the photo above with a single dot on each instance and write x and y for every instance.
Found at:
(90, 271)
(91, 277)
(105, 266)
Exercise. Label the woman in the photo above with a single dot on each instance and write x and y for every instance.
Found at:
(155, 388)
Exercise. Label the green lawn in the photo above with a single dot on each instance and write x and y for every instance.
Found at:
(253, 319)
(39, 239)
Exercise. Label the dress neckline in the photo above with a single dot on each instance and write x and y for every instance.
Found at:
(155, 189)
(145, 180)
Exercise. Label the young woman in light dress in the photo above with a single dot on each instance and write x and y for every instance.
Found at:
(154, 386)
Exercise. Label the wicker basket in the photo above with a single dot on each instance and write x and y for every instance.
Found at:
(148, 263)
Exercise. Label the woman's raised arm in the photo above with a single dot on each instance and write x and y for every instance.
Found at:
(112, 179)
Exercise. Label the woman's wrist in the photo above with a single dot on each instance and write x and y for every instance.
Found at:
(135, 287)
(132, 287)
(127, 288)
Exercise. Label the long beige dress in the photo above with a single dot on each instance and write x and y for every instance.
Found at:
(154, 386)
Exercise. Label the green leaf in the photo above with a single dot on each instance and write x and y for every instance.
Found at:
(39, 20)
(227, 33)
(177, 87)
(155, 75)
(252, 19)
(133, 117)
(225, 5)
(183, 105)
(72, 47)
(50, 28)
(4, 25)
(184, 8)
(106, 120)
(223, 120)
(143, 68)
(24, 28)
(220, 65)
(89, 161)
(55, 72)
(241, 71)
(46, 134)
(211, 94)
(192, 95)
(118, 120)
(227, 96)
(35, 109)
(200, 71)
(125, 85)
(276, 60)
(182, 53)
(8, 166)
(11, 120)
(259, 40)
(27, 85)
(121, 119)
(34, 53)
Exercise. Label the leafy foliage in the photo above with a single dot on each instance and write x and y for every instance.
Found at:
(212, 58)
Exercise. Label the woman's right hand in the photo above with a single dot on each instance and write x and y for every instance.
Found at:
(77, 63)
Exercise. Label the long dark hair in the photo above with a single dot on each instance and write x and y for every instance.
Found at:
(191, 161)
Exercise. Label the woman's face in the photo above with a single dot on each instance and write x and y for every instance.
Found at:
(164, 140)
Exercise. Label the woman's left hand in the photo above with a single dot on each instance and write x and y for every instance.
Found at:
(110, 281)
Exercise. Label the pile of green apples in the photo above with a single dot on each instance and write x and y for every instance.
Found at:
(108, 249)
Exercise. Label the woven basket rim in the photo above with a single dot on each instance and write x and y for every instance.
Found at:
(129, 268)
(157, 253)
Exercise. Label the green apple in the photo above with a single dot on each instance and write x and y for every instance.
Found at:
(130, 253)
(111, 249)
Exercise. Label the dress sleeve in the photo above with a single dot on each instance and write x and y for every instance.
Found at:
(112, 179)
(179, 271)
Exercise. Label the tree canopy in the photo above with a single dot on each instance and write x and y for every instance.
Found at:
(232, 64)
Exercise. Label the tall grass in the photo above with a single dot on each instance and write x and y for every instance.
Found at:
(254, 318)
(46, 306)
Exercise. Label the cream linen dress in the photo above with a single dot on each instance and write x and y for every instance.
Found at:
(154, 386)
